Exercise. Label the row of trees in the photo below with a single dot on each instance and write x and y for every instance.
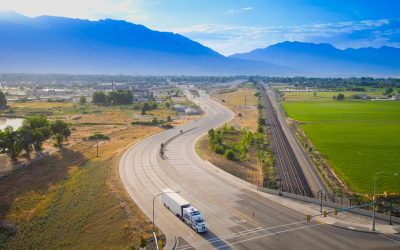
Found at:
(3, 101)
(145, 106)
(31, 135)
(115, 97)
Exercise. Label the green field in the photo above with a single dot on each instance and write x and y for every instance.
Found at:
(358, 138)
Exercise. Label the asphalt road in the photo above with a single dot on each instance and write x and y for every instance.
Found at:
(237, 217)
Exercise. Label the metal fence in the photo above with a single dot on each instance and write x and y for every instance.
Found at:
(385, 205)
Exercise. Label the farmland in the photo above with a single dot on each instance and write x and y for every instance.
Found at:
(358, 138)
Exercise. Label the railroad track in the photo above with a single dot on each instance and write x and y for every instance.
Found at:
(290, 173)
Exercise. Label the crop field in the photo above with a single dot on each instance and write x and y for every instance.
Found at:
(358, 138)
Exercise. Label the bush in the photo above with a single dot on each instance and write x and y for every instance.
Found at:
(219, 149)
(98, 137)
(229, 155)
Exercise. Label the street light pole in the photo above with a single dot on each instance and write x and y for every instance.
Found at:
(154, 231)
(374, 201)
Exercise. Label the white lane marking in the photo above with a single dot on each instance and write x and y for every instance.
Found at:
(265, 235)
(234, 235)
(396, 241)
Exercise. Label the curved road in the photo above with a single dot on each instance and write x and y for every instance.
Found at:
(237, 216)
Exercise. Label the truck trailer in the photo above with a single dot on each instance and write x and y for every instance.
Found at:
(183, 210)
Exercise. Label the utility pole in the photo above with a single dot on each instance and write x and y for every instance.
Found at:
(245, 102)
(320, 209)
(97, 149)
(374, 201)
(154, 229)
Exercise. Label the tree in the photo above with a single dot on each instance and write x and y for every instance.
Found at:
(3, 101)
(39, 126)
(388, 91)
(340, 97)
(99, 97)
(120, 97)
(2, 142)
(146, 106)
(169, 119)
(60, 131)
(154, 121)
(82, 100)
(168, 105)
(261, 121)
(211, 134)
(12, 142)
(26, 137)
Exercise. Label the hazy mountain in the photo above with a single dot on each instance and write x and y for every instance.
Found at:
(63, 45)
(324, 59)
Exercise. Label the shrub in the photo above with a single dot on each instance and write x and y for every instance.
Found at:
(229, 155)
(98, 137)
(219, 149)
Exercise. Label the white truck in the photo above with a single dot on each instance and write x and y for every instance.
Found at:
(183, 210)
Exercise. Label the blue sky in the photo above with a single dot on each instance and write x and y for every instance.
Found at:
(231, 26)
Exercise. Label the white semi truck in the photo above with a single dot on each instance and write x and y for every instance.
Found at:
(183, 210)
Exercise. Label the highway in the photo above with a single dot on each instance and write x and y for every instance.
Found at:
(237, 216)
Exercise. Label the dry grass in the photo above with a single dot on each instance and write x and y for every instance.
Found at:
(236, 102)
(72, 199)
(249, 170)
(41, 105)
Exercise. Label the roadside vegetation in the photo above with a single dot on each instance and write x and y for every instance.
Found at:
(356, 138)
(68, 197)
(240, 146)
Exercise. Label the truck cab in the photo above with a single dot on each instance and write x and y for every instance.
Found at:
(194, 219)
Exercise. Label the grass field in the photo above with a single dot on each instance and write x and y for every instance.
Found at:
(358, 138)
(71, 199)
(236, 102)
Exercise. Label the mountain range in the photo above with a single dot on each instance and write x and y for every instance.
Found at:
(326, 60)
(48, 44)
